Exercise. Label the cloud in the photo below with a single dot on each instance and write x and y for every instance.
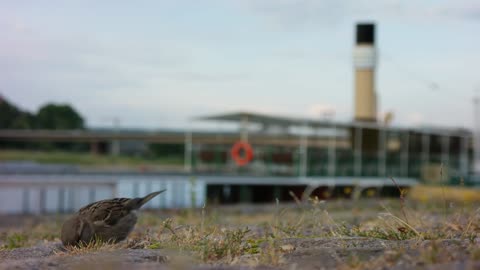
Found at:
(322, 110)
(298, 14)
(415, 119)
(292, 14)
(10, 23)
(467, 10)
(149, 69)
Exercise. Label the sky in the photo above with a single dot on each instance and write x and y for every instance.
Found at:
(158, 64)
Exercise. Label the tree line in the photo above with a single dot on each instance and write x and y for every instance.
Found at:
(57, 117)
(49, 116)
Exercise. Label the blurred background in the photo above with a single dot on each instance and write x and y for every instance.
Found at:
(235, 102)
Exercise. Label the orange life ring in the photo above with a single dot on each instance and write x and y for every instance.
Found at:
(236, 150)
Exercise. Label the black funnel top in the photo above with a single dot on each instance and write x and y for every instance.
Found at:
(365, 33)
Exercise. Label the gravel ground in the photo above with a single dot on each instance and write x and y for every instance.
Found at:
(316, 253)
(303, 251)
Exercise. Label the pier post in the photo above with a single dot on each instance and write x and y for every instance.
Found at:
(358, 151)
(404, 155)
(382, 156)
(331, 153)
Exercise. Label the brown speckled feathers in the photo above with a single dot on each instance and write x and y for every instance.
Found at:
(108, 211)
(106, 220)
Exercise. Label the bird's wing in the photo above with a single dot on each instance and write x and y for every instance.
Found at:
(106, 212)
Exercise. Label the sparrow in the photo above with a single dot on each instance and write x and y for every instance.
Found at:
(109, 220)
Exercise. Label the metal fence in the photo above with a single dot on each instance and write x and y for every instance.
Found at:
(33, 194)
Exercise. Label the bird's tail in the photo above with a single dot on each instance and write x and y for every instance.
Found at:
(139, 202)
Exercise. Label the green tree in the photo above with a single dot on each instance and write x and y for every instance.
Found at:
(14, 118)
(59, 116)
